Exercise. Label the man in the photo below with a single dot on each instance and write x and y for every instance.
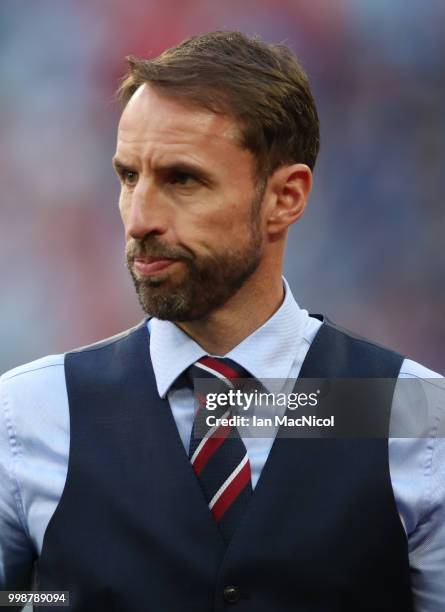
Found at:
(104, 479)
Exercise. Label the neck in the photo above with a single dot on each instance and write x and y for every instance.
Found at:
(226, 327)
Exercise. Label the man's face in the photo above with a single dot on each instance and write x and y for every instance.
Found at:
(189, 206)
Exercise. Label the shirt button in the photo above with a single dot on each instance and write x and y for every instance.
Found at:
(231, 594)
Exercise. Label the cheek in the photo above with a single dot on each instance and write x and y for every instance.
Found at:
(221, 232)
(123, 206)
(234, 220)
(125, 214)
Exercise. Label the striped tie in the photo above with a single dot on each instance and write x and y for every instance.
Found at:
(220, 460)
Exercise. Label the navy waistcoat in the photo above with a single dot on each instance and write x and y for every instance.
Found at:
(132, 531)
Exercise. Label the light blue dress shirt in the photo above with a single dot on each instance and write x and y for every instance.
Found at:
(34, 444)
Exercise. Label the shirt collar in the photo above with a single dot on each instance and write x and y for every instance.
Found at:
(268, 353)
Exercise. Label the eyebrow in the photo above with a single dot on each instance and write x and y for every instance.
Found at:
(165, 169)
(119, 166)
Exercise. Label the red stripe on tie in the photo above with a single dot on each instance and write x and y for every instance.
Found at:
(219, 367)
(201, 402)
(210, 447)
(231, 493)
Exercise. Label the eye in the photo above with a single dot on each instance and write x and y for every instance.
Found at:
(181, 177)
(129, 177)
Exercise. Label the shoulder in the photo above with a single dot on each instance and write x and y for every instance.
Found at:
(47, 374)
(413, 369)
(330, 329)
(33, 382)
(418, 406)
(33, 410)
(409, 367)
(112, 340)
(339, 352)
(38, 372)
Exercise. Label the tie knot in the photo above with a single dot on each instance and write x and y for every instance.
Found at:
(221, 368)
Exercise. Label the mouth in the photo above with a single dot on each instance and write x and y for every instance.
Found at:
(146, 266)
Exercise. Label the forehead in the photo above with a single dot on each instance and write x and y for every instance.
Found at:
(152, 119)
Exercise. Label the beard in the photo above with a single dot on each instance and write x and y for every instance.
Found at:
(208, 282)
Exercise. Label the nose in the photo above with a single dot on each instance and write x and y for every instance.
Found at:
(145, 212)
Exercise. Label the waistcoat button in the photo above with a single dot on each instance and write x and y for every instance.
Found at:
(231, 594)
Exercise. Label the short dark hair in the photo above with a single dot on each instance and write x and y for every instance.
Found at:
(261, 85)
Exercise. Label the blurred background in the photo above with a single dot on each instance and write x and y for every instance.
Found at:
(369, 251)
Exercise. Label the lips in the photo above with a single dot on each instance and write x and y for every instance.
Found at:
(150, 265)
(152, 259)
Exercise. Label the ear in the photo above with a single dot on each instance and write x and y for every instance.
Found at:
(289, 189)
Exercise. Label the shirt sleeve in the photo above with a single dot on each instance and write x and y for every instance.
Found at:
(418, 467)
(16, 550)
(427, 542)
